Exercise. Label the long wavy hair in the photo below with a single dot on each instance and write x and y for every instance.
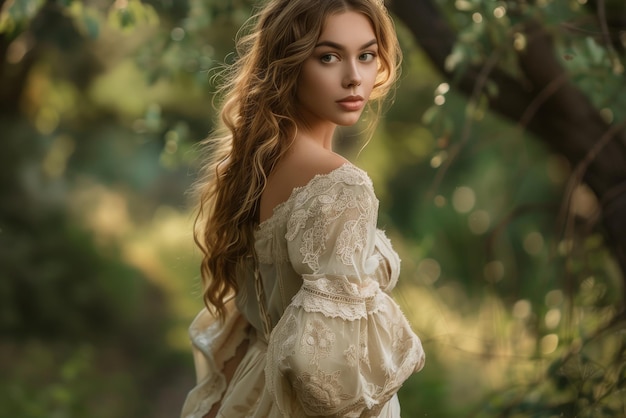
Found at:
(258, 124)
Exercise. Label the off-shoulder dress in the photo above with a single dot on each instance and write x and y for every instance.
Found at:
(325, 337)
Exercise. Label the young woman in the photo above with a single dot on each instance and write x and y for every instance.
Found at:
(296, 275)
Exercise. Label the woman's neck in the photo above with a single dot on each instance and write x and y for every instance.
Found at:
(321, 135)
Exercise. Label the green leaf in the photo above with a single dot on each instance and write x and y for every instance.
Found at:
(87, 19)
(92, 26)
(596, 53)
(17, 14)
(132, 14)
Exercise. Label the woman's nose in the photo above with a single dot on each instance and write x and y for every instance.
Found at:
(353, 77)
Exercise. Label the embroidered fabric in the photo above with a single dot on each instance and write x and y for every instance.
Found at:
(340, 345)
(336, 297)
(312, 356)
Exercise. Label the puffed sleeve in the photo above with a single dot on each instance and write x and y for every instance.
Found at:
(342, 348)
(387, 274)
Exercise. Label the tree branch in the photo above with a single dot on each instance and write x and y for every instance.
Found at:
(562, 117)
(544, 101)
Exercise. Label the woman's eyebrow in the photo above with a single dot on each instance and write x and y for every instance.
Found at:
(341, 47)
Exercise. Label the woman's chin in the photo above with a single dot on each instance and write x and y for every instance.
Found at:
(349, 120)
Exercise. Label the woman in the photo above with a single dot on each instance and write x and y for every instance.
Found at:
(295, 272)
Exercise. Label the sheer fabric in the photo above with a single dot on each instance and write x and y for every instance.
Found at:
(339, 345)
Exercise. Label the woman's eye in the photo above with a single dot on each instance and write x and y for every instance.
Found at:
(367, 56)
(328, 58)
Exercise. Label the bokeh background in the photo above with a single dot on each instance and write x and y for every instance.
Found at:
(507, 276)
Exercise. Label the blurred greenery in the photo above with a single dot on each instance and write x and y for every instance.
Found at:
(101, 106)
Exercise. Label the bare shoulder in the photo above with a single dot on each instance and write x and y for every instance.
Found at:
(305, 162)
(295, 170)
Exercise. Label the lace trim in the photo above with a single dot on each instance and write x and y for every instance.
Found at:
(338, 298)
(267, 250)
(345, 173)
(327, 204)
(326, 388)
(325, 199)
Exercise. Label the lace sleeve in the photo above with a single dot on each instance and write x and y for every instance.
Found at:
(389, 271)
(333, 226)
(342, 348)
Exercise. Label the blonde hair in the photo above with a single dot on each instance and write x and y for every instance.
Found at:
(258, 124)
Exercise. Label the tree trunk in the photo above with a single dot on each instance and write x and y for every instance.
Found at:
(547, 104)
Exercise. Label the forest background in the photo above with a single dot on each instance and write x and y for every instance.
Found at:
(500, 166)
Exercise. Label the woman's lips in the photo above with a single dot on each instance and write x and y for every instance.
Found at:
(351, 103)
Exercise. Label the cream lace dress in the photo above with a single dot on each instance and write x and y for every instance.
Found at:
(325, 338)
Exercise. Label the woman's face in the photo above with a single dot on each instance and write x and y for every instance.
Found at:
(337, 79)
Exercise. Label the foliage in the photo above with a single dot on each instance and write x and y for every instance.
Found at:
(547, 240)
(101, 106)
